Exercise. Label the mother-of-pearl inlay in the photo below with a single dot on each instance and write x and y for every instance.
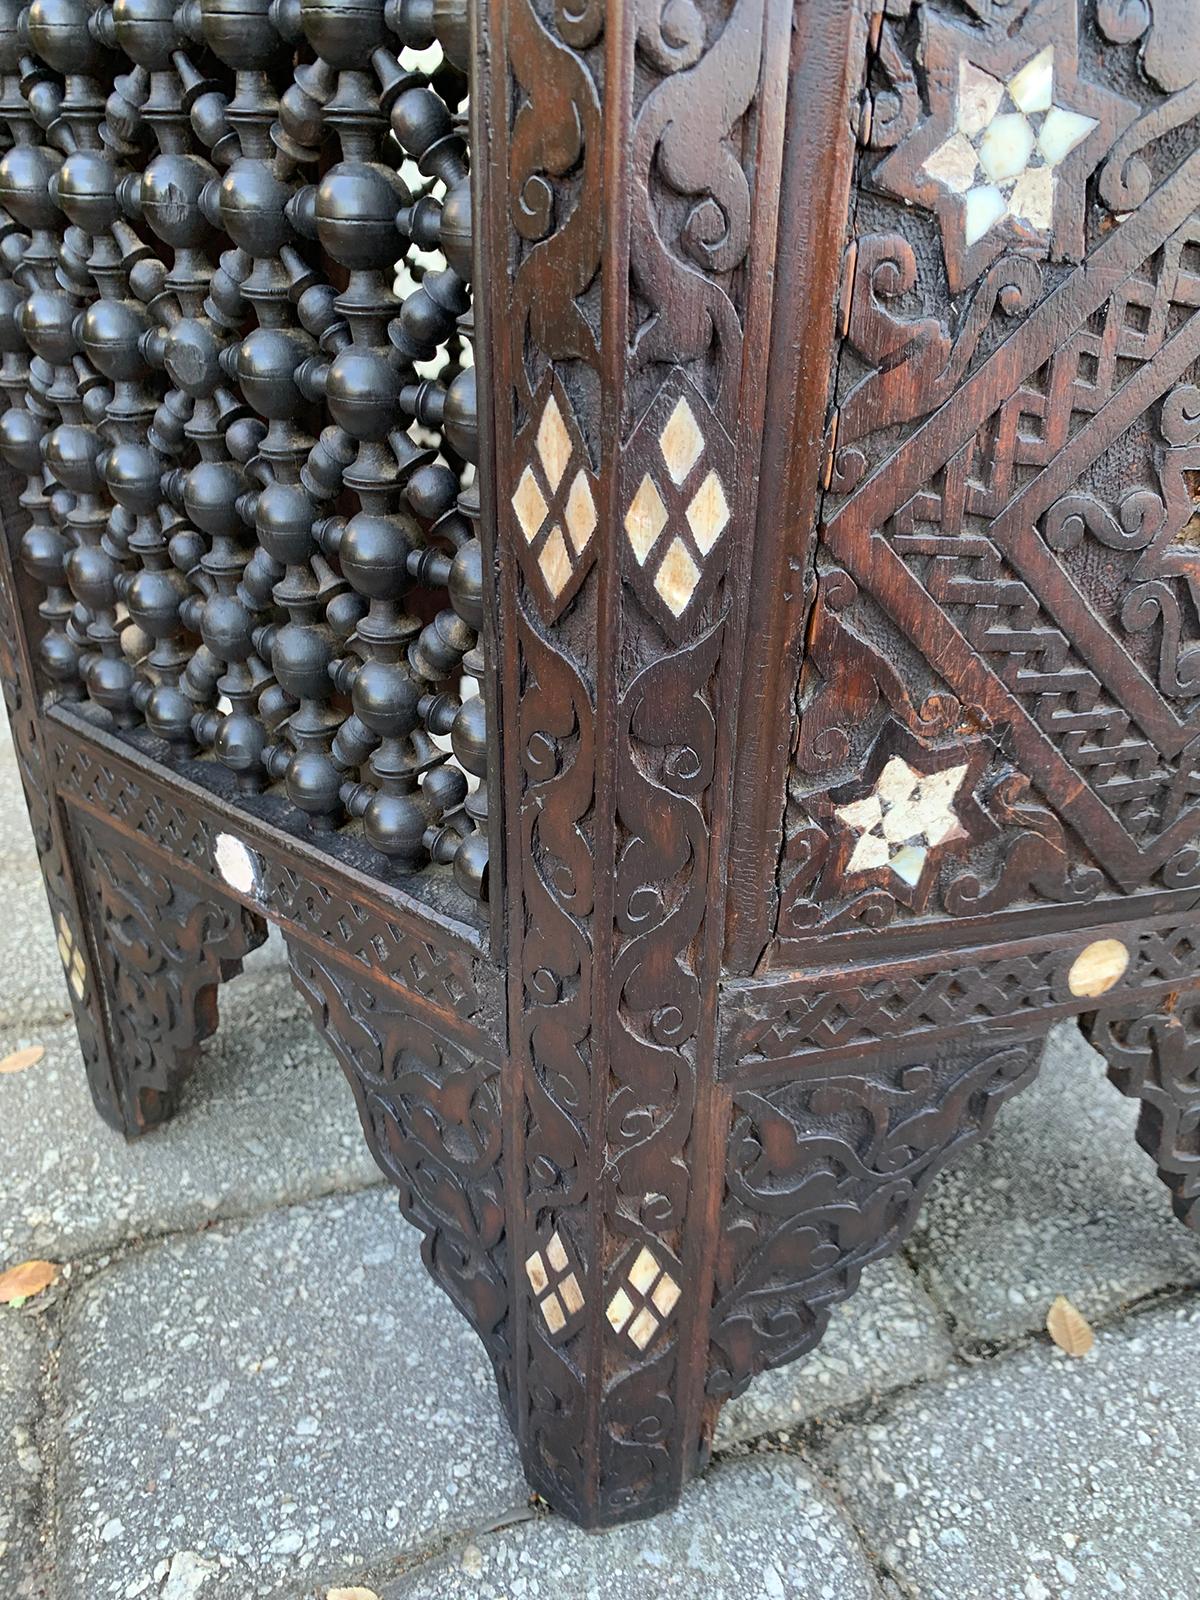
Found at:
(1009, 138)
(906, 815)
(237, 864)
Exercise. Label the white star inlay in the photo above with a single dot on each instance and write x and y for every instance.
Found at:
(1008, 139)
(907, 814)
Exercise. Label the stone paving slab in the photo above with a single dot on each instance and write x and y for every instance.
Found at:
(32, 989)
(278, 1398)
(16, 836)
(886, 1335)
(266, 1118)
(33, 992)
(22, 1351)
(760, 1528)
(1040, 1477)
(1060, 1200)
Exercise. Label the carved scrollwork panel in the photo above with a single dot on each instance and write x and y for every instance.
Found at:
(825, 1174)
(982, 417)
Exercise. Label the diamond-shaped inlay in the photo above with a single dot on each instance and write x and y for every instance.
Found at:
(643, 1272)
(645, 519)
(555, 1284)
(681, 441)
(644, 1301)
(555, 505)
(708, 513)
(553, 443)
(581, 513)
(530, 505)
(555, 561)
(677, 577)
(676, 490)
(71, 957)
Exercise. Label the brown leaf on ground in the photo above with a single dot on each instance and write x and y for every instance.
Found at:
(25, 1280)
(1069, 1328)
(20, 1059)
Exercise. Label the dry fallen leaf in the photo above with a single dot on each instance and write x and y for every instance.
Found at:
(29, 1278)
(1068, 1327)
(20, 1059)
(351, 1594)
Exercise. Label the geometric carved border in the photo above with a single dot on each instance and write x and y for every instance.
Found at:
(398, 942)
(767, 1026)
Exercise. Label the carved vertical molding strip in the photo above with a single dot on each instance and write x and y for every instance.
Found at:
(540, 233)
(828, 58)
(634, 223)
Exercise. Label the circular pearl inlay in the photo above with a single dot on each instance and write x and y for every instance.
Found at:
(236, 863)
(1097, 967)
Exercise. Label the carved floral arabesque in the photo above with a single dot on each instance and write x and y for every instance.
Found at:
(682, 269)
(826, 1173)
(1169, 54)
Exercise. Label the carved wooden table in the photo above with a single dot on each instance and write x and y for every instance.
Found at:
(817, 518)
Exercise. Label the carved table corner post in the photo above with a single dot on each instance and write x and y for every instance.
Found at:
(656, 265)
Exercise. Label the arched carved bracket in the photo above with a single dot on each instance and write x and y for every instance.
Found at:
(826, 1173)
(430, 1110)
(1155, 1058)
(160, 945)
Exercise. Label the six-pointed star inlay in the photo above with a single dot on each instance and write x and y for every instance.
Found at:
(1011, 134)
(1007, 142)
(906, 815)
